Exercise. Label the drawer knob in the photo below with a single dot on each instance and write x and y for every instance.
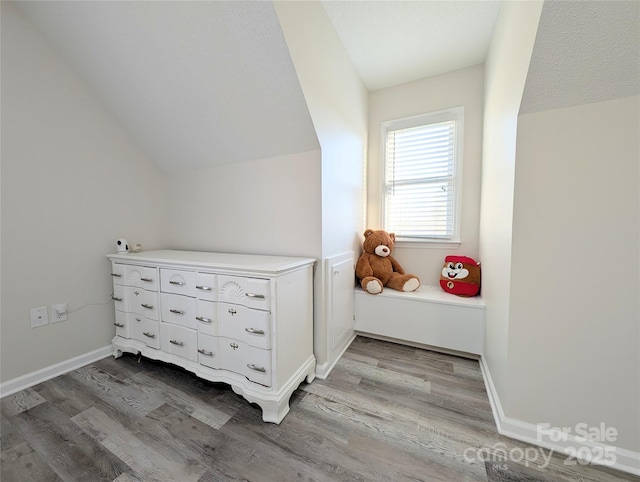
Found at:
(232, 311)
(116, 275)
(115, 298)
(203, 319)
(254, 295)
(205, 353)
(254, 331)
(177, 312)
(149, 307)
(258, 369)
(203, 288)
(234, 346)
(119, 325)
(177, 283)
(150, 335)
(148, 280)
(177, 343)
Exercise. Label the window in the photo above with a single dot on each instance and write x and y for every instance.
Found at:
(421, 176)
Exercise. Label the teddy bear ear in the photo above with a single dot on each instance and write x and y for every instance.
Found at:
(392, 236)
(368, 233)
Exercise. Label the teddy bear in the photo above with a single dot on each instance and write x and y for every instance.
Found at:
(376, 267)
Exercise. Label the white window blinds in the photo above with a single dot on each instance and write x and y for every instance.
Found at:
(420, 176)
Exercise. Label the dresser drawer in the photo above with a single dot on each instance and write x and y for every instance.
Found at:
(142, 302)
(117, 273)
(206, 286)
(178, 282)
(119, 298)
(208, 351)
(139, 276)
(179, 310)
(242, 323)
(179, 341)
(253, 363)
(207, 317)
(145, 330)
(252, 292)
(122, 324)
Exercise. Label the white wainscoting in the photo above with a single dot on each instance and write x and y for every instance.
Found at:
(339, 308)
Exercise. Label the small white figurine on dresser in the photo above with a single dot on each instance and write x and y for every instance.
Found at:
(245, 320)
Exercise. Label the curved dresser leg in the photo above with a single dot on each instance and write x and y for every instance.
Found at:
(274, 412)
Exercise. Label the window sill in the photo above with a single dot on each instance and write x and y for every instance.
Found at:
(400, 243)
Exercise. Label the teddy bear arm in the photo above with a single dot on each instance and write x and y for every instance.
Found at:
(396, 266)
(363, 267)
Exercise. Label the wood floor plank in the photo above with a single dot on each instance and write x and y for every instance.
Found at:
(21, 401)
(9, 435)
(22, 463)
(144, 459)
(127, 398)
(214, 415)
(65, 448)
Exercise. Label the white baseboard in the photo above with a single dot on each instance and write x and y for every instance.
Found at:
(576, 448)
(30, 379)
(323, 371)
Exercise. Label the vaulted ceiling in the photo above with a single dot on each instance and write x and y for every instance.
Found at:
(584, 52)
(200, 83)
(195, 83)
(392, 42)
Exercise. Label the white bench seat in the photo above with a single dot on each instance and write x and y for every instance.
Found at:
(427, 316)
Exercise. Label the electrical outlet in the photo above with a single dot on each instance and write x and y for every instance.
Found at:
(58, 313)
(39, 316)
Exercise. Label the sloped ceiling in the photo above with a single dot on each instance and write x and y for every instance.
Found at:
(584, 52)
(195, 83)
(392, 42)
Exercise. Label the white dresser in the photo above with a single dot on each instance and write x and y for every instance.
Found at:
(245, 320)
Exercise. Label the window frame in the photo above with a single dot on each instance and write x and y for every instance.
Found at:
(453, 114)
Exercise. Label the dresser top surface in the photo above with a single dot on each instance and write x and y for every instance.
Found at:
(223, 261)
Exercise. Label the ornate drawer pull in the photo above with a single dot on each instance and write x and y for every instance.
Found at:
(116, 275)
(177, 312)
(148, 280)
(138, 319)
(234, 346)
(177, 343)
(232, 311)
(258, 369)
(205, 353)
(150, 335)
(203, 319)
(115, 298)
(119, 325)
(203, 288)
(149, 307)
(254, 331)
(253, 295)
(178, 283)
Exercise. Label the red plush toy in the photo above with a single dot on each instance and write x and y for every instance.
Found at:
(461, 276)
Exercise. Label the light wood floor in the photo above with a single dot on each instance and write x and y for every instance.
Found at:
(387, 412)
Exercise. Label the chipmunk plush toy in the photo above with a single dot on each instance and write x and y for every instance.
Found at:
(460, 276)
(376, 267)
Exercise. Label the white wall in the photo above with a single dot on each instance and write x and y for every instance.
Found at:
(458, 88)
(337, 101)
(72, 183)
(268, 206)
(574, 332)
(505, 74)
